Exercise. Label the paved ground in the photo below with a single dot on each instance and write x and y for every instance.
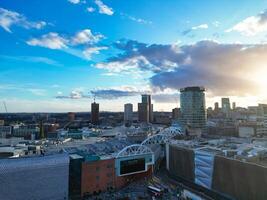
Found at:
(138, 190)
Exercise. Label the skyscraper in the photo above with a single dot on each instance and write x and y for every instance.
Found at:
(143, 112)
(145, 109)
(216, 106)
(128, 113)
(226, 106)
(95, 113)
(193, 108)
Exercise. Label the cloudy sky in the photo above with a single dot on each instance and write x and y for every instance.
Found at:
(56, 56)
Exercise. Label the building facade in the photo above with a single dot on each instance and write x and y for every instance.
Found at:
(175, 113)
(145, 109)
(95, 113)
(226, 106)
(143, 112)
(71, 116)
(193, 107)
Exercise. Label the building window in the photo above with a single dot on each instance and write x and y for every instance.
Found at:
(97, 178)
(97, 169)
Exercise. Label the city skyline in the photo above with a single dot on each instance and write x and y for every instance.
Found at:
(55, 60)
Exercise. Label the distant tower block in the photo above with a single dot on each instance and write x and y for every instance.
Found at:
(233, 105)
(71, 116)
(145, 109)
(95, 113)
(216, 106)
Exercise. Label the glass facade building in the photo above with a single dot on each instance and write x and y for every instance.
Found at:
(193, 108)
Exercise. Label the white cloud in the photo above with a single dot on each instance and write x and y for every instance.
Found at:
(92, 50)
(201, 26)
(74, 94)
(86, 36)
(51, 40)
(216, 23)
(82, 44)
(90, 9)
(251, 25)
(128, 66)
(104, 9)
(135, 19)
(74, 1)
(9, 18)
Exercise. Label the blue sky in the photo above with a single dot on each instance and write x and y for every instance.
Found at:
(56, 55)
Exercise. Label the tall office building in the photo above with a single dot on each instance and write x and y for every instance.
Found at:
(226, 106)
(128, 113)
(95, 113)
(216, 106)
(145, 109)
(233, 105)
(193, 107)
(143, 112)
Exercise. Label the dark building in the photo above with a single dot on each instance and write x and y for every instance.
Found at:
(95, 113)
(233, 105)
(216, 107)
(193, 107)
(143, 112)
(71, 116)
(145, 109)
(175, 113)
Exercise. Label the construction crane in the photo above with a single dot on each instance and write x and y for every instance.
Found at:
(4, 103)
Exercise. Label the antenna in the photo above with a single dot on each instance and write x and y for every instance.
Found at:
(4, 103)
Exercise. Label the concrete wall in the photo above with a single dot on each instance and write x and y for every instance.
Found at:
(240, 180)
(181, 163)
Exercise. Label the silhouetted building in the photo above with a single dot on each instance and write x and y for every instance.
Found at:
(233, 105)
(95, 113)
(216, 107)
(175, 113)
(146, 109)
(71, 116)
(193, 107)
(143, 112)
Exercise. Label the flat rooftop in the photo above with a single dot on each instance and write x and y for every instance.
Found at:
(235, 148)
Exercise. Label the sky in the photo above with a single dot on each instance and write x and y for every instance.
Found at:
(57, 56)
